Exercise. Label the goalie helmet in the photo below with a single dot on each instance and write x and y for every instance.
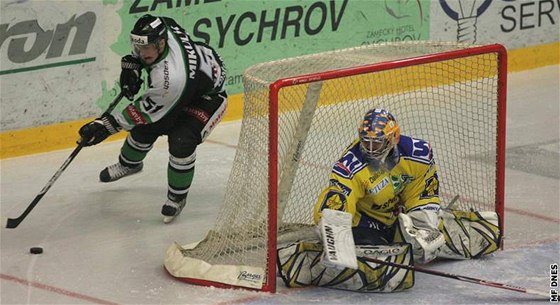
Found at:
(147, 30)
(379, 134)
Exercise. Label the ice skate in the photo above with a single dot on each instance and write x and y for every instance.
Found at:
(117, 171)
(172, 209)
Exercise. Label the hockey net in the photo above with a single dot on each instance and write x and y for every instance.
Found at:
(300, 114)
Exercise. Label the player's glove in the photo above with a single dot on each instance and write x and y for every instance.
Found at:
(98, 130)
(131, 70)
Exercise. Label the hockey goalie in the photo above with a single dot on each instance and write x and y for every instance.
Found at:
(383, 202)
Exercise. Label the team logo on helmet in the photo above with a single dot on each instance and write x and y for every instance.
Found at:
(139, 40)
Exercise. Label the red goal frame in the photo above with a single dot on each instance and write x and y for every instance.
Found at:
(275, 87)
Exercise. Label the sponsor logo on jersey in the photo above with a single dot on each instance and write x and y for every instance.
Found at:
(248, 276)
(396, 182)
(166, 75)
(348, 165)
(388, 205)
(198, 114)
(406, 179)
(399, 182)
(135, 115)
(379, 186)
(216, 118)
(191, 53)
(345, 190)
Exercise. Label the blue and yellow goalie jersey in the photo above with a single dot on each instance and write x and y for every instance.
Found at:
(356, 188)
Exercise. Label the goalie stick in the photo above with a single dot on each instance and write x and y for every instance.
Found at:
(452, 203)
(289, 170)
(14, 222)
(461, 277)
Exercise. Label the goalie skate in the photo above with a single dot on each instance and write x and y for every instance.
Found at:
(117, 171)
(172, 209)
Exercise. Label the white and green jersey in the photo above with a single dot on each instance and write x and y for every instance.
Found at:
(184, 74)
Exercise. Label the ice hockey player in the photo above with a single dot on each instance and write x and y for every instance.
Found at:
(185, 99)
(383, 202)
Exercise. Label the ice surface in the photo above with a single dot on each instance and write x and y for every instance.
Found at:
(105, 243)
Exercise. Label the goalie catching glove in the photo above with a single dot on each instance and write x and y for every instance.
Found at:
(98, 130)
(419, 228)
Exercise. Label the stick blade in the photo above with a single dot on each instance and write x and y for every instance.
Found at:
(538, 293)
(12, 223)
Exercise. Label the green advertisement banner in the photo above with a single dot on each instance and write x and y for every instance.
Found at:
(246, 32)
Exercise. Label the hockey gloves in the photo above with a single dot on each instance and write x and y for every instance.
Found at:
(131, 69)
(98, 130)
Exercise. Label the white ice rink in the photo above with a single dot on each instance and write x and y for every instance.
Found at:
(105, 243)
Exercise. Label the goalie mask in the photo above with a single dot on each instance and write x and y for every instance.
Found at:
(147, 33)
(379, 134)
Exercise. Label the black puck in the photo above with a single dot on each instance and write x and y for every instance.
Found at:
(36, 250)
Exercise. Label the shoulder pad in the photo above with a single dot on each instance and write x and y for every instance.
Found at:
(350, 163)
(415, 149)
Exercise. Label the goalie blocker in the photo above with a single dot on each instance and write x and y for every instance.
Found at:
(338, 241)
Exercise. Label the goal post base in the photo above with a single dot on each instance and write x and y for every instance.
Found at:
(197, 271)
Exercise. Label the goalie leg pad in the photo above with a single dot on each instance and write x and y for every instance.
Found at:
(300, 265)
(295, 261)
(469, 234)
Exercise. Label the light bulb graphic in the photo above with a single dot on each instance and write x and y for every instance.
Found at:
(465, 12)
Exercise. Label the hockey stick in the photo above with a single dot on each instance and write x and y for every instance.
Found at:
(14, 222)
(452, 203)
(290, 168)
(461, 278)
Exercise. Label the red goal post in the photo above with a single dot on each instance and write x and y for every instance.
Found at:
(300, 113)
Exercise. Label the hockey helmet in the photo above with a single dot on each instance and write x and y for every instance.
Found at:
(379, 134)
(147, 30)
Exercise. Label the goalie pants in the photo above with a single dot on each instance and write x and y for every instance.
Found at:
(370, 231)
(185, 131)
